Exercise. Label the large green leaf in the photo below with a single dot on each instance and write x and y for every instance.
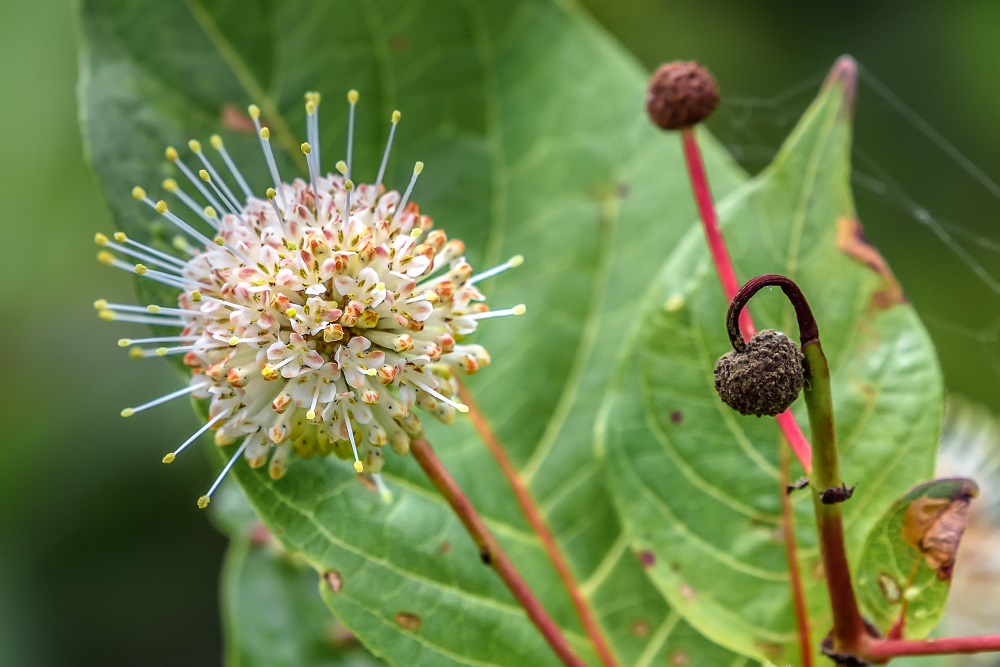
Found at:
(696, 484)
(530, 122)
(907, 562)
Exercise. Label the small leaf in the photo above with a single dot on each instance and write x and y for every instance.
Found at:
(908, 558)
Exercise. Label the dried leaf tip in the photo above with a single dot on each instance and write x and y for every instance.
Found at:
(681, 94)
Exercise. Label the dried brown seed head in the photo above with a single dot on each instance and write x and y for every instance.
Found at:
(681, 94)
(764, 379)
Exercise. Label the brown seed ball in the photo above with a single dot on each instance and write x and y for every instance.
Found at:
(764, 379)
(681, 94)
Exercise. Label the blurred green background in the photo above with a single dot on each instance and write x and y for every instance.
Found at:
(104, 558)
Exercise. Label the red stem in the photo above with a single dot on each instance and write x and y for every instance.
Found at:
(798, 594)
(727, 275)
(530, 509)
(883, 649)
(490, 550)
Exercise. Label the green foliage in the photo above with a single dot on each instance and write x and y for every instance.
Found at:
(530, 122)
(698, 485)
(908, 558)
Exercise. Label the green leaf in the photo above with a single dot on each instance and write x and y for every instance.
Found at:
(908, 558)
(273, 615)
(530, 122)
(696, 484)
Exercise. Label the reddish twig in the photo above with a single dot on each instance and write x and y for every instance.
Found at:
(884, 649)
(727, 275)
(798, 594)
(530, 509)
(490, 550)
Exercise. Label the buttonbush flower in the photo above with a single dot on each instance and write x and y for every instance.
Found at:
(314, 319)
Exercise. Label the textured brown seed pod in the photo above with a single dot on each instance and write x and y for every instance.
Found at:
(764, 379)
(681, 94)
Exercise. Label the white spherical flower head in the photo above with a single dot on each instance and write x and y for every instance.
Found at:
(314, 319)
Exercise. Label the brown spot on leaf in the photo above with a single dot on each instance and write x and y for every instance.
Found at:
(774, 652)
(889, 587)
(676, 417)
(334, 580)
(640, 628)
(852, 242)
(399, 43)
(679, 658)
(407, 621)
(622, 190)
(647, 558)
(687, 592)
(445, 548)
(340, 637)
(934, 526)
(236, 119)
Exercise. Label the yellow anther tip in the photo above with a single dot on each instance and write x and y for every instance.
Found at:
(203, 175)
(461, 407)
(105, 257)
(311, 415)
(170, 185)
(120, 237)
(195, 296)
(141, 269)
(379, 286)
(234, 341)
(195, 146)
(100, 239)
(161, 207)
(254, 111)
(265, 133)
(100, 304)
(341, 166)
(305, 147)
(352, 96)
(203, 502)
(310, 107)
(291, 312)
(106, 315)
(124, 342)
(396, 116)
(161, 351)
(138, 193)
(519, 309)
(219, 241)
(271, 194)
(171, 153)
(415, 233)
(418, 167)
(169, 458)
(210, 212)
(216, 141)
(128, 412)
(360, 467)
(152, 308)
(135, 353)
(349, 185)
(516, 260)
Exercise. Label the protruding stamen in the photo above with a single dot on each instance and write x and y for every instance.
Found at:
(210, 178)
(197, 434)
(312, 127)
(271, 194)
(396, 116)
(218, 145)
(103, 241)
(225, 194)
(461, 407)
(128, 342)
(109, 315)
(417, 168)
(313, 176)
(128, 412)
(164, 210)
(349, 186)
(207, 498)
(358, 465)
(352, 99)
(511, 263)
(265, 145)
(122, 238)
(519, 309)
(170, 185)
(171, 154)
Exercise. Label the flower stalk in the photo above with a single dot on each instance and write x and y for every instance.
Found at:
(490, 551)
